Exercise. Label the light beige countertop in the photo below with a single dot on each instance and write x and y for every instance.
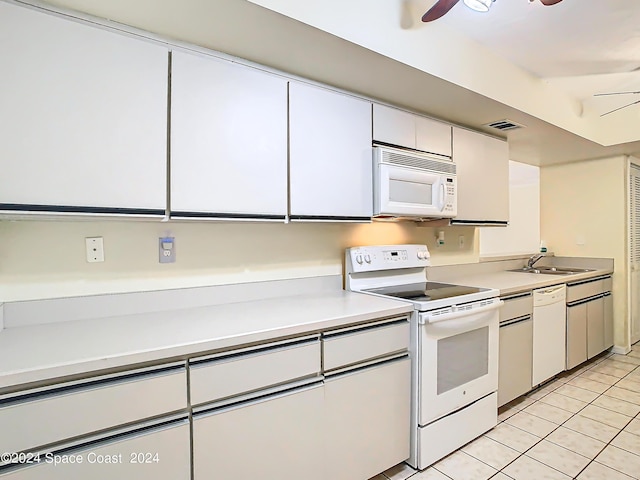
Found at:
(41, 352)
(513, 282)
(496, 274)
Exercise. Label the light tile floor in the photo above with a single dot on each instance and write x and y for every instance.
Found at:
(584, 424)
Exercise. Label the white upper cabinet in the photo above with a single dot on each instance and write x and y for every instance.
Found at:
(433, 136)
(228, 140)
(330, 164)
(404, 129)
(393, 126)
(84, 117)
(483, 178)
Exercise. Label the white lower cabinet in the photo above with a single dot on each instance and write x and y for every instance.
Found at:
(576, 335)
(345, 419)
(160, 453)
(589, 320)
(515, 359)
(608, 320)
(595, 327)
(367, 420)
(272, 411)
(275, 437)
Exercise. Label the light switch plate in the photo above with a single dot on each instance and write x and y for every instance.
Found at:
(167, 249)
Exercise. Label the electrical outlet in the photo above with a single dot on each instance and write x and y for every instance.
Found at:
(461, 241)
(167, 249)
(94, 249)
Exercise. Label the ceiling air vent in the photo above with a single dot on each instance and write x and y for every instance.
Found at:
(504, 125)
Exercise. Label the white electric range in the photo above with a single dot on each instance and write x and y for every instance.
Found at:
(454, 346)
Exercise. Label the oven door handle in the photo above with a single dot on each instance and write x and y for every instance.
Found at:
(427, 317)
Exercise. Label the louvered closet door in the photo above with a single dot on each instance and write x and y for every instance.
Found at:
(634, 250)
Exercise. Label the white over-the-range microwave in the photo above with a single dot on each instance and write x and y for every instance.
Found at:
(413, 184)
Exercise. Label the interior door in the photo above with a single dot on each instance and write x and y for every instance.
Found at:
(634, 251)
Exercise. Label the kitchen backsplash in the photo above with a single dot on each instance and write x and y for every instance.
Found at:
(46, 259)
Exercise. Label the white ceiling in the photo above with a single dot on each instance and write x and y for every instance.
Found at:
(542, 63)
(572, 38)
(581, 46)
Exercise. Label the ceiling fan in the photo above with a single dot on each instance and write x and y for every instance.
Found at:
(618, 93)
(443, 6)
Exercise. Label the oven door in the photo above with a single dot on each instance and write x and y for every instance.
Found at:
(457, 358)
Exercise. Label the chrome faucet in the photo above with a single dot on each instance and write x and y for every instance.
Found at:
(533, 259)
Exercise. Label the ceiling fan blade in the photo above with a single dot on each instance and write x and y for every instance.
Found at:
(620, 108)
(438, 10)
(548, 3)
(614, 93)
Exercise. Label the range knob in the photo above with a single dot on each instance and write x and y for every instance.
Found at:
(359, 259)
(422, 255)
(367, 258)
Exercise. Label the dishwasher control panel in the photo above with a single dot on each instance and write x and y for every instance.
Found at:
(549, 295)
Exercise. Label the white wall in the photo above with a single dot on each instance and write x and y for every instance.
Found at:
(584, 214)
(522, 235)
(45, 259)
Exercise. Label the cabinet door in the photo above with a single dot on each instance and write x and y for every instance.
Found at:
(394, 126)
(483, 177)
(84, 117)
(516, 360)
(608, 321)
(576, 335)
(228, 140)
(277, 437)
(433, 136)
(595, 327)
(161, 454)
(367, 421)
(330, 156)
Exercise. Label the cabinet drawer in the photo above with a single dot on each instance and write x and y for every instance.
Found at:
(584, 290)
(74, 410)
(161, 454)
(349, 347)
(517, 306)
(607, 284)
(233, 374)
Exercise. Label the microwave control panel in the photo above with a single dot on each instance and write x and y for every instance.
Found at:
(450, 206)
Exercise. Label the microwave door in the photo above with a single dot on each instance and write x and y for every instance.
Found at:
(403, 191)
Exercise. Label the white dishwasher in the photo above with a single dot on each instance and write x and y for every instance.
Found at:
(549, 332)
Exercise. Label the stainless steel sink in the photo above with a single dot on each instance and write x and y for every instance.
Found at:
(553, 270)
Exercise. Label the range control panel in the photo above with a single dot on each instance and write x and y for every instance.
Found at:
(386, 257)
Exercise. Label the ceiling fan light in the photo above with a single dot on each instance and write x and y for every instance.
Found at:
(478, 5)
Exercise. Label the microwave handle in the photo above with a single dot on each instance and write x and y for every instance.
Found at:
(443, 196)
